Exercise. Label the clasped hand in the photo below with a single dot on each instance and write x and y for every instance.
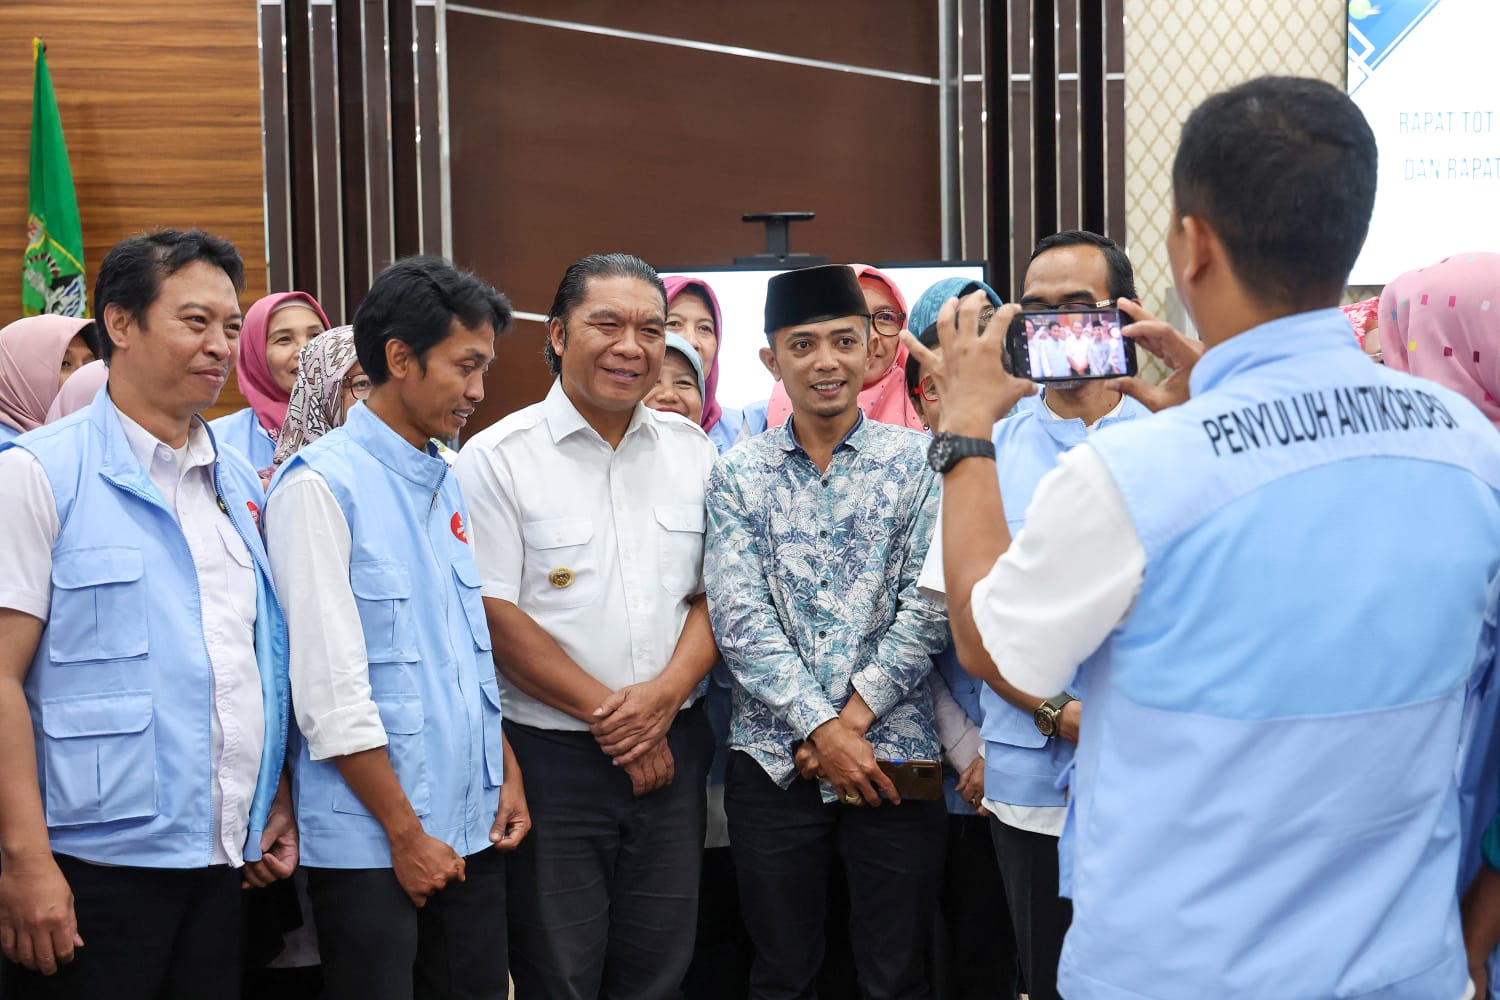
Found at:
(631, 727)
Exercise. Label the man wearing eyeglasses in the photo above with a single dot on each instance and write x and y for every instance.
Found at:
(1025, 752)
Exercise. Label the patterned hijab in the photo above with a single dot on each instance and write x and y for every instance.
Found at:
(317, 403)
(31, 357)
(257, 384)
(1443, 323)
(1362, 316)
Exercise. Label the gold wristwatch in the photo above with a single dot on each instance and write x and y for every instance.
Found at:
(1048, 712)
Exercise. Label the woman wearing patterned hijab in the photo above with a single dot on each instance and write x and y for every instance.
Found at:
(329, 382)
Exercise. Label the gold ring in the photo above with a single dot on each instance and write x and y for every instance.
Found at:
(852, 798)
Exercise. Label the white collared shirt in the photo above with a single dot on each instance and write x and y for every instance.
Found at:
(226, 585)
(601, 546)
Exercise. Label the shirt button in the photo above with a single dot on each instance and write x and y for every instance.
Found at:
(825, 482)
(822, 534)
(822, 635)
(822, 583)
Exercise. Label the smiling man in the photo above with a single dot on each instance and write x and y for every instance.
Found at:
(406, 790)
(588, 524)
(143, 697)
(818, 532)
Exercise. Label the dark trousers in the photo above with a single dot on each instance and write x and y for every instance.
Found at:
(604, 891)
(148, 933)
(720, 969)
(784, 842)
(975, 947)
(1028, 866)
(375, 944)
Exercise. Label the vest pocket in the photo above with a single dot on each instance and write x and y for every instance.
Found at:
(467, 575)
(98, 758)
(407, 747)
(382, 593)
(679, 546)
(494, 734)
(98, 605)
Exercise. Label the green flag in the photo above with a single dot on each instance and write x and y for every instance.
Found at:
(52, 274)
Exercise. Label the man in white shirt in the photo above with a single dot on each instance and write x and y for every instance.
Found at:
(588, 521)
(142, 682)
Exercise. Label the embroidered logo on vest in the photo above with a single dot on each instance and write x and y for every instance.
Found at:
(457, 524)
(254, 512)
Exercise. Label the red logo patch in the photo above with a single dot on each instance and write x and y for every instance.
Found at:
(457, 524)
(254, 512)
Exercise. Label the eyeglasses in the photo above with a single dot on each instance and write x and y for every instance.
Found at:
(927, 389)
(358, 385)
(888, 322)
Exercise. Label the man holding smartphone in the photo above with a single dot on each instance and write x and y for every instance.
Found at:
(817, 530)
(1068, 270)
(1265, 798)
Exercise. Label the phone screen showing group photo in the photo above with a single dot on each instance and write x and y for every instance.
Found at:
(1062, 345)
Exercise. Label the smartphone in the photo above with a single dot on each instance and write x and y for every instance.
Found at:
(1065, 345)
(920, 780)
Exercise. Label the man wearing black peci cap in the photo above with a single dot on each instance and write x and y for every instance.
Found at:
(818, 529)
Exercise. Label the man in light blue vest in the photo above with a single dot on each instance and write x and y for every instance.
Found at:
(399, 755)
(1265, 797)
(1068, 270)
(143, 691)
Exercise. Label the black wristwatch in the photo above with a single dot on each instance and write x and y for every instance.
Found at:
(947, 450)
(1048, 712)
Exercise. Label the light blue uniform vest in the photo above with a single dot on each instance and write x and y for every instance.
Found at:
(724, 433)
(8, 433)
(1021, 766)
(120, 689)
(427, 642)
(241, 430)
(1266, 796)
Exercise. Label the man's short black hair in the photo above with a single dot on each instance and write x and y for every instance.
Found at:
(575, 285)
(415, 301)
(1121, 274)
(1282, 169)
(134, 269)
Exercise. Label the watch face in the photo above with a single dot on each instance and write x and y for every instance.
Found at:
(940, 452)
(1046, 721)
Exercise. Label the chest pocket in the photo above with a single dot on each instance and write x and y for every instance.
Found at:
(382, 593)
(561, 568)
(98, 605)
(679, 547)
(467, 576)
(240, 571)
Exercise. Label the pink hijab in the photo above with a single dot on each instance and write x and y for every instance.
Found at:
(675, 284)
(31, 357)
(258, 386)
(1443, 323)
(78, 391)
(883, 400)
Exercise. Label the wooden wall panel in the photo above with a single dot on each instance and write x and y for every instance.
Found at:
(565, 143)
(160, 104)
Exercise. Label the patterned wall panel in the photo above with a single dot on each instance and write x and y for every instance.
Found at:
(1177, 53)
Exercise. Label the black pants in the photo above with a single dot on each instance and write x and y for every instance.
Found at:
(785, 840)
(1028, 866)
(975, 948)
(148, 933)
(375, 944)
(604, 892)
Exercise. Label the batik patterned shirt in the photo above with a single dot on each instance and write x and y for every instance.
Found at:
(812, 588)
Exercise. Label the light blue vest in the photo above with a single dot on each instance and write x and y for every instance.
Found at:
(1266, 787)
(241, 430)
(120, 689)
(8, 433)
(727, 431)
(428, 645)
(1021, 766)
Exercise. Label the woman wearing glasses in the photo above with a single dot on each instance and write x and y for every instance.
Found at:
(884, 397)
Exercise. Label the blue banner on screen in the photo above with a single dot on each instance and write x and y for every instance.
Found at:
(1423, 73)
(742, 297)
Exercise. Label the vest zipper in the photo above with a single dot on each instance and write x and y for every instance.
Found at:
(453, 654)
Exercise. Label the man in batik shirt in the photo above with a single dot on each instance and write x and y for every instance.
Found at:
(817, 532)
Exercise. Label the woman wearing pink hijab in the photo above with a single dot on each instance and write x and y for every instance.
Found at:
(693, 313)
(78, 391)
(37, 354)
(884, 397)
(276, 329)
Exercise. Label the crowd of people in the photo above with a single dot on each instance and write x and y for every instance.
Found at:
(910, 681)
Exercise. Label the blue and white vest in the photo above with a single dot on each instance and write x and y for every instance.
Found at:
(427, 642)
(1021, 766)
(241, 430)
(1266, 796)
(121, 689)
